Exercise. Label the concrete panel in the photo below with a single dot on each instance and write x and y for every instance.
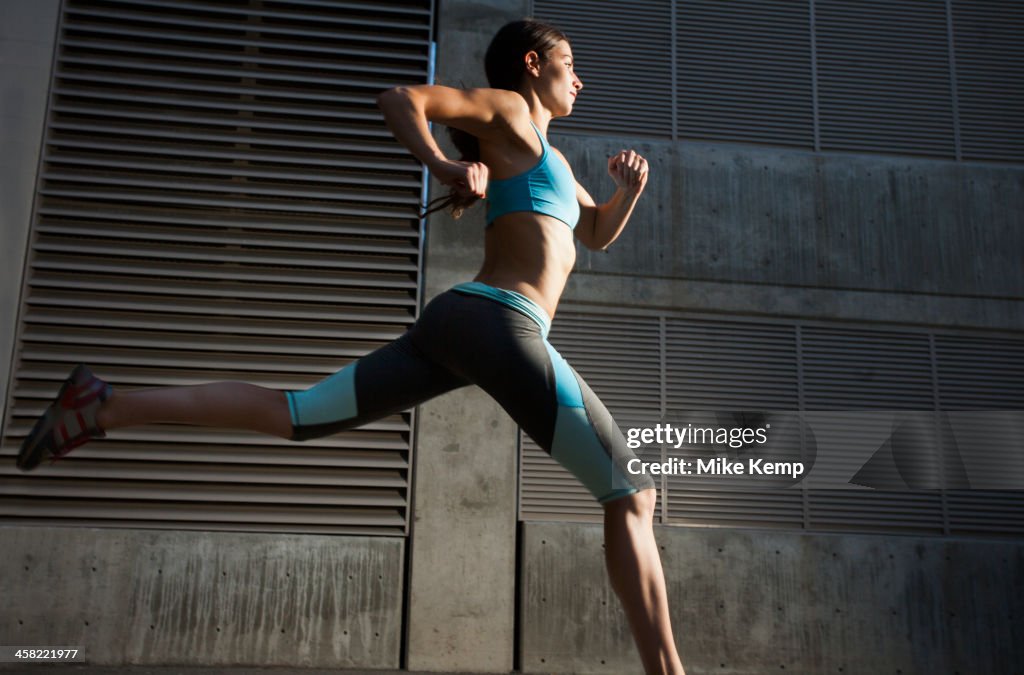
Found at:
(27, 34)
(462, 584)
(756, 602)
(736, 213)
(204, 598)
(462, 548)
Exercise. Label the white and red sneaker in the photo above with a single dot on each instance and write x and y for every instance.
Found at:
(69, 422)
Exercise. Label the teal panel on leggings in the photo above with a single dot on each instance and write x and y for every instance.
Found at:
(576, 447)
(575, 444)
(331, 400)
(567, 388)
(290, 395)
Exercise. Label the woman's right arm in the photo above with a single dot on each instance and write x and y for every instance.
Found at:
(481, 112)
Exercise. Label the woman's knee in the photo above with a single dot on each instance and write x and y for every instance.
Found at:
(640, 504)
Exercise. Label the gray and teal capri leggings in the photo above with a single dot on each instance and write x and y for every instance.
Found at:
(497, 340)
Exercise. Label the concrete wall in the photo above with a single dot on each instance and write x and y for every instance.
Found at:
(828, 220)
(204, 598)
(751, 230)
(28, 30)
(754, 602)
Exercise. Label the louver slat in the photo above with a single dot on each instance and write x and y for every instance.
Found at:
(221, 200)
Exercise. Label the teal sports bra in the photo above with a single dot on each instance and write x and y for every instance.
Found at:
(547, 188)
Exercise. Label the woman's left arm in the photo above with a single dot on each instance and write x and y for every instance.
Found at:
(600, 225)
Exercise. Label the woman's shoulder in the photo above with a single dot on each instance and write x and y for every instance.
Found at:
(511, 105)
(507, 108)
(509, 123)
(481, 111)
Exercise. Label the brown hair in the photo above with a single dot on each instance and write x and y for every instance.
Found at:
(505, 67)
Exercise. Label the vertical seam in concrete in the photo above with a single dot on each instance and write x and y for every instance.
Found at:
(410, 526)
(403, 646)
(30, 240)
(953, 90)
(517, 596)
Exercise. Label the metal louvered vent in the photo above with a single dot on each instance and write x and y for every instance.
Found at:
(865, 370)
(989, 39)
(883, 77)
(627, 78)
(983, 376)
(745, 72)
(730, 366)
(676, 368)
(909, 77)
(220, 200)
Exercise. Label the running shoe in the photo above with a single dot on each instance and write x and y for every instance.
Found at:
(69, 422)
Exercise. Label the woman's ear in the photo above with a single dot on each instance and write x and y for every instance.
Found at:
(533, 61)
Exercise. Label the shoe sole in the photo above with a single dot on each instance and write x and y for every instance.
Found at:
(35, 444)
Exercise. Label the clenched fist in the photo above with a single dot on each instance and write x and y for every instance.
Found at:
(468, 178)
(628, 170)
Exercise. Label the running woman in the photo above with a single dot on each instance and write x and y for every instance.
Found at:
(491, 332)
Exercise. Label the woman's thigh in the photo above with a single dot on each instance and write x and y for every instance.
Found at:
(393, 378)
(506, 354)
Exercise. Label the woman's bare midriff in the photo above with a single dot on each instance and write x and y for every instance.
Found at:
(529, 253)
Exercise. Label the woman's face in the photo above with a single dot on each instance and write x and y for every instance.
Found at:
(556, 83)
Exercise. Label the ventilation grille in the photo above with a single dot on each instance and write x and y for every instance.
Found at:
(220, 200)
(745, 72)
(627, 83)
(883, 77)
(989, 38)
(909, 77)
(688, 368)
